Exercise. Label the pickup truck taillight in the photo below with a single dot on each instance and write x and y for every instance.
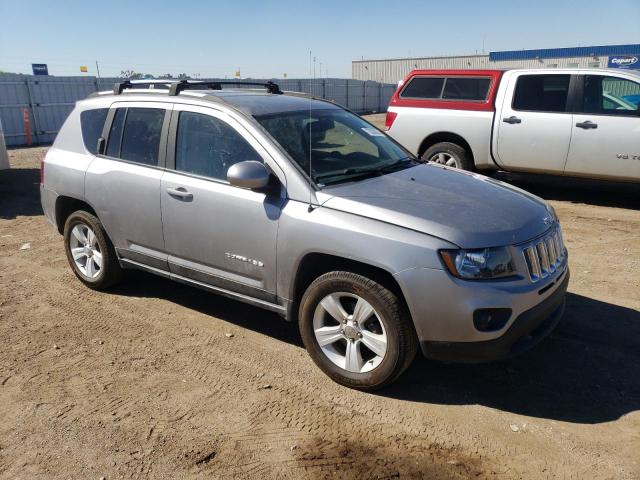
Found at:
(391, 116)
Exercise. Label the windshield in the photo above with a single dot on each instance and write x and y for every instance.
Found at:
(342, 147)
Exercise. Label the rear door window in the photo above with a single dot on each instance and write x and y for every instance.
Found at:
(92, 123)
(135, 135)
(141, 135)
(541, 93)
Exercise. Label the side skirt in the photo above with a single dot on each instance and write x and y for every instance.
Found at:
(279, 309)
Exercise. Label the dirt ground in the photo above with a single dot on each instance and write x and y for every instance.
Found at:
(144, 381)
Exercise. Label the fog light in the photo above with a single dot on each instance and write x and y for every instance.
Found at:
(491, 319)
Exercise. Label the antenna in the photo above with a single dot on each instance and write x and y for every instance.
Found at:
(310, 208)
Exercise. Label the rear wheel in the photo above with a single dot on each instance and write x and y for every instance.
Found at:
(357, 331)
(90, 252)
(449, 154)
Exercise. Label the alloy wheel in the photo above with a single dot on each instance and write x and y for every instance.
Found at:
(444, 158)
(350, 332)
(85, 250)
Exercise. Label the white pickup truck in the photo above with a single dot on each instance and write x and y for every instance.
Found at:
(576, 122)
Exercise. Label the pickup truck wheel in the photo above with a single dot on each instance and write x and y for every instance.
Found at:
(450, 154)
(90, 252)
(357, 331)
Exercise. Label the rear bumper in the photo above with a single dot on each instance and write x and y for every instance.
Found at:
(526, 331)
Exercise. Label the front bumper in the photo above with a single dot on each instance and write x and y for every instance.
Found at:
(525, 332)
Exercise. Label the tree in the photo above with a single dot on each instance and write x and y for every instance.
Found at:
(133, 75)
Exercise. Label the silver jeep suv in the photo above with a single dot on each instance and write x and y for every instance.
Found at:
(301, 207)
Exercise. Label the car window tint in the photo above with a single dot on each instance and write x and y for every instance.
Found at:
(115, 133)
(92, 123)
(542, 93)
(610, 95)
(141, 135)
(466, 88)
(423, 87)
(207, 146)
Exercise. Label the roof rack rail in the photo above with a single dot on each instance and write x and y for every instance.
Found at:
(182, 85)
(119, 87)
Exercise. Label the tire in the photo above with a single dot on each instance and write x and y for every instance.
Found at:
(85, 237)
(450, 154)
(389, 319)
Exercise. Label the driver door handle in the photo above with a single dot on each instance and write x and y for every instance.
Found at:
(512, 120)
(587, 125)
(180, 193)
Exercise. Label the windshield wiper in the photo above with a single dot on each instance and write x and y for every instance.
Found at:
(393, 165)
(368, 170)
(349, 173)
(355, 172)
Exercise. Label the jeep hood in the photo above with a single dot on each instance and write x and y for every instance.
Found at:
(467, 209)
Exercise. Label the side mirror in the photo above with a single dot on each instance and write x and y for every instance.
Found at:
(248, 174)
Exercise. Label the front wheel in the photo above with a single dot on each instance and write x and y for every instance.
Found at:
(357, 331)
(449, 154)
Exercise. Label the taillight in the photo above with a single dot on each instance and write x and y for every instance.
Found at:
(391, 116)
(42, 170)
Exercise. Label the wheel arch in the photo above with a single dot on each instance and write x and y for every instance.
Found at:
(65, 206)
(314, 264)
(450, 137)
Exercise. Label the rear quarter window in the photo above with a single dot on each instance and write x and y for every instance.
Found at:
(91, 123)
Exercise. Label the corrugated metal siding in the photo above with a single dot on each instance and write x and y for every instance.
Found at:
(50, 99)
(394, 70)
(596, 50)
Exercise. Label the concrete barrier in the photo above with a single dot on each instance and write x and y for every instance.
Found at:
(4, 157)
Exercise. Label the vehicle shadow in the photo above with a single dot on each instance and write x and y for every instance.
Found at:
(142, 284)
(576, 190)
(19, 193)
(587, 371)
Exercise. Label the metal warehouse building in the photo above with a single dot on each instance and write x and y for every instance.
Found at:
(603, 56)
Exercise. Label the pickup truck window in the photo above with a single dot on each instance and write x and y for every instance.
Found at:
(449, 88)
(466, 88)
(541, 93)
(423, 87)
(610, 95)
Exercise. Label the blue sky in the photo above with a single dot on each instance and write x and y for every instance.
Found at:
(268, 39)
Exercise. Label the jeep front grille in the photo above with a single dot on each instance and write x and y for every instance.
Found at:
(545, 255)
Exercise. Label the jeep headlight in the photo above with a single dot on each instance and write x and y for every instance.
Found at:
(479, 264)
